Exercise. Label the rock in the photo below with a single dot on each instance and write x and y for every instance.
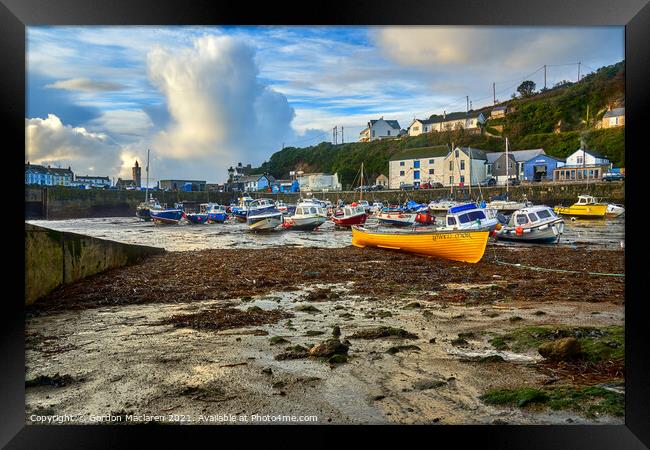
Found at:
(328, 348)
(379, 397)
(423, 385)
(561, 349)
(275, 340)
(491, 359)
(432, 341)
(413, 305)
(336, 331)
(337, 359)
(401, 348)
(307, 309)
(459, 342)
(267, 371)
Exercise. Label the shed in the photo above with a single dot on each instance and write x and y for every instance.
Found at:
(541, 167)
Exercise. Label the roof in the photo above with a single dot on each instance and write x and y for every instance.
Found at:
(423, 121)
(50, 170)
(475, 153)
(548, 157)
(249, 178)
(615, 112)
(593, 153)
(391, 123)
(518, 155)
(499, 108)
(92, 176)
(421, 152)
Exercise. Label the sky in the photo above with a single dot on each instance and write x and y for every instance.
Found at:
(203, 98)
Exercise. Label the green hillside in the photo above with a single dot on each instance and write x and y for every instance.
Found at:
(553, 120)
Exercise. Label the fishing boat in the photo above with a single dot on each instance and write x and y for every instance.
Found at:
(536, 224)
(308, 216)
(197, 218)
(143, 211)
(216, 213)
(614, 210)
(465, 246)
(470, 217)
(352, 215)
(262, 215)
(167, 216)
(507, 206)
(585, 208)
(396, 216)
(239, 212)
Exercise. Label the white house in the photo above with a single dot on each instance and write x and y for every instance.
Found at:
(586, 157)
(456, 121)
(93, 180)
(319, 182)
(419, 126)
(464, 165)
(416, 166)
(380, 129)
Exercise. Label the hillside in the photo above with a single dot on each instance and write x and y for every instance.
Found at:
(531, 125)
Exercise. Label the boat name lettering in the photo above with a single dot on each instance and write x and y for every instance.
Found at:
(451, 236)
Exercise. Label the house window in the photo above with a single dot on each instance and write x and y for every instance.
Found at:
(426, 129)
(456, 153)
(451, 165)
(388, 133)
(401, 173)
(489, 169)
(430, 171)
(373, 133)
(451, 180)
(462, 178)
(416, 174)
(596, 173)
(401, 163)
(431, 161)
(462, 165)
(580, 159)
(416, 164)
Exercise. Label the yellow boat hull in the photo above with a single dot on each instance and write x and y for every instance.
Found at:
(465, 246)
(585, 211)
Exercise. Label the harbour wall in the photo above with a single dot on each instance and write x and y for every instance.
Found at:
(53, 258)
(67, 203)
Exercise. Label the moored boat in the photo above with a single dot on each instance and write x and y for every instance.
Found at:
(536, 224)
(143, 211)
(397, 217)
(197, 218)
(465, 246)
(614, 210)
(442, 205)
(352, 215)
(308, 216)
(586, 207)
(216, 213)
(167, 216)
(262, 215)
(470, 217)
(241, 209)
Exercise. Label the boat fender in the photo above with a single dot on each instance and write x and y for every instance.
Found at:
(527, 230)
(519, 231)
(542, 227)
(498, 226)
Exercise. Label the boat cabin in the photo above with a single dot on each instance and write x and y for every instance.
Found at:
(527, 217)
(303, 210)
(353, 210)
(586, 200)
(464, 216)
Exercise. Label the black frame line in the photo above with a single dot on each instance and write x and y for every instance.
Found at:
(16, 15)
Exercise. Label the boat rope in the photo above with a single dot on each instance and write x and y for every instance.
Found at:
(545, 269)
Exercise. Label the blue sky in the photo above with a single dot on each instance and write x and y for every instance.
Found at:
(205, 98)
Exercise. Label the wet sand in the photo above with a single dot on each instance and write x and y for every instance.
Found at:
(123, 339)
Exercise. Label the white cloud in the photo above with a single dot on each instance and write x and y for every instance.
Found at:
(49, 141)
(125, 123)
(221, 111)
(85, 85)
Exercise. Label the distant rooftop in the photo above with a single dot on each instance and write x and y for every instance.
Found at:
(421, 152)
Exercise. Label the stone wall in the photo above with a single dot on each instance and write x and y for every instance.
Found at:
(53, 258)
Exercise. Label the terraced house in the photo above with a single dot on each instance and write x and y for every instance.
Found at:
(465, 165)
(48, 176)
(416, 166)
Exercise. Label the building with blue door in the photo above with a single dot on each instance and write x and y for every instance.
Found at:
(541, 167)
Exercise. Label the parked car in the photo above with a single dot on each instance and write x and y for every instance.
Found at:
(377, 187)
(407, 187)
(365, 188)
(431, 185)
(513, 182)
(613, 176)
(490, 181)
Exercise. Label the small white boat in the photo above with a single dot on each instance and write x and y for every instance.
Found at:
(614, 210)
(442, 205)
(396, 217)
(470, 217)
(536, 224)
(507, 206)
(309, 215)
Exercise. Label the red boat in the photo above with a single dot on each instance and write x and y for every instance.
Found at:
(352, 215)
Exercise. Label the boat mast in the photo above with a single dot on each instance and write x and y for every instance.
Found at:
(361, 190)
(146, 189)
(470, 173)
(507, 173)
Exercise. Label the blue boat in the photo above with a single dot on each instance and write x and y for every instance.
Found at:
(240, 212)
(263, 215)
(169, 216)
(197, 218)
(215, 212)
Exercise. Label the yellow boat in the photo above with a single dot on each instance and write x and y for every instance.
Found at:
(465, 246)
(586, 208)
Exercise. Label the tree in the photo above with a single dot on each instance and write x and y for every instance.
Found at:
(527, 88)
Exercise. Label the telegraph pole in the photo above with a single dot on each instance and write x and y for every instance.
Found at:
(494, 93)
(579, 70)
(467, 97)
(342, 140)
(544, 76)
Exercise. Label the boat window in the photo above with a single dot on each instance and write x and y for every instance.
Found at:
(451, 221)
(312, 210)
(471, 216)
(521, 219)
(543, 214)
(533, 217)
